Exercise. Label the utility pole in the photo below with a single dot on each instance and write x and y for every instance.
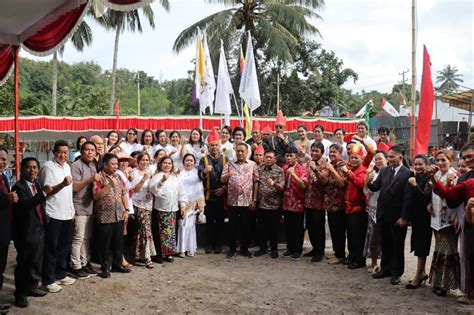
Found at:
(403, 79)
(138, 93)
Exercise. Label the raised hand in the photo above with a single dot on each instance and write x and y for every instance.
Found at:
(412, 181)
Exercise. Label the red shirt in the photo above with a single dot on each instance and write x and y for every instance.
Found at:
(293, 196)
(459, 192)
(355, 197)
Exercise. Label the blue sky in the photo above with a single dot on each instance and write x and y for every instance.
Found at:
(373, 37)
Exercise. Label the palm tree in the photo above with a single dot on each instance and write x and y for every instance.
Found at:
(449, 78)
(119, 21)
(81, 37)
(277, 26)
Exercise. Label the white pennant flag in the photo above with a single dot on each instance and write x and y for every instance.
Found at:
(224, 87)
(389, 108)
(249, 90)
(361, 112)
(208, 84)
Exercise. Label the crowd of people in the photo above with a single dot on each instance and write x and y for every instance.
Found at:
(146, 197)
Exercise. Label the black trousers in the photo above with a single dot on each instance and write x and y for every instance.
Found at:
(393, 247)
(469, 230)
(57, 247)
(267, 228)
(156, 233)
(316, 223)
(214, 211)
(3, 262)
(356, 231)
(337, 228)
(239, 219)
(294, 226)
(29, 263)
(110, 244)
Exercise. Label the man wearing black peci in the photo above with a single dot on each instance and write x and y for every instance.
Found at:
(392, 211)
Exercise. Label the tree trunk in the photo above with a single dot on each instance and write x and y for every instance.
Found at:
(54, 84)
(114, 69)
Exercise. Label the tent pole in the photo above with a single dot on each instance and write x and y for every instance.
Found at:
(413, 81)
(17, 112)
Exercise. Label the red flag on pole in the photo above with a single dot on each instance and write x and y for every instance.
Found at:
(117, 113)
(425, 111)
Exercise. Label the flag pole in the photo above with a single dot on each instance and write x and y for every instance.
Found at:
(413, 79)
(236, 106)
(200, 119)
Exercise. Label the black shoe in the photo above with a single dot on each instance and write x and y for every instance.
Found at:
(4, 307)
(231, 254)
(157, 259)
(287, 254)
(441, 292)
(80, 274)
(208, 250)
(260, 252)
(88, 268)
(120, 269)
(21, 301)
(310, 253)
(381, 274)
(394, 280)
(347, 261)
(413, 286)
(317, 258)
(296, 256)
(37, 293)
(246, 253)
(274, 254)
(356, 265)
(218, 250)
(169, 259)
(104, 274)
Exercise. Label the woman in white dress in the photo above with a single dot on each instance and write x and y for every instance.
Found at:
(339, 135)
(195, 204)
(147, 140)
(161, 153)
(143, 247)
(303, 145)
(175, 138)
(112, 139)
(162, 142)
(131, 143)
(318, 133)
(195, 146)
(169, 198)
(227, 147)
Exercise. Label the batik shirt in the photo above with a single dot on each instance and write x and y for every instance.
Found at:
(334, 196)
(240, 186)
(268, 197)
(110, 208)
(314, 195)
(293, 196)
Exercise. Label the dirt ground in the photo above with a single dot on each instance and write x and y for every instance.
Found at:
(214, 284)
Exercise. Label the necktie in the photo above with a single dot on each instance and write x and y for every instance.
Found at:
(392, 174)
(38, 206)
(3, 185)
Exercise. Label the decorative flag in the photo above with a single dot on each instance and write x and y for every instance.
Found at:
(224, 88)
(248, 122)
(365, 110)
(249, 90)
(425, 111)
(208, 85)
(389, 108)
(117, 113)
(241, 61)
(200, 69)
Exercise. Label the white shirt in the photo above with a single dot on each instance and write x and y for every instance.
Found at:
(227, 150)
(129, 188)
(168, 148)
(128, 148)
(143, 198)
(169, 194)
(59, 206)
(396, 169)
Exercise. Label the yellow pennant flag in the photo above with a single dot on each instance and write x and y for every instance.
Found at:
(248, 123)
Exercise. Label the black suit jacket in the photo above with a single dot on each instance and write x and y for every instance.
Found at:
(26, 223)
(394, 198)
(5, 230)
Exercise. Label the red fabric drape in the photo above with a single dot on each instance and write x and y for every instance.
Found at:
(6, 61)
(38, 123)
(55, 32)
(425, 111)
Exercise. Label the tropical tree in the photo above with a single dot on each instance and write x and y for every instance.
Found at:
(80, 38)
(277, 26)
(120, 21)
(448, 78)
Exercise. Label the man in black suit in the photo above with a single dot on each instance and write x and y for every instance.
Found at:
(392, 212)
(7, 198)
(29, 222)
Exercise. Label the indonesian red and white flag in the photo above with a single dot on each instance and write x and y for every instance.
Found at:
(389, 108)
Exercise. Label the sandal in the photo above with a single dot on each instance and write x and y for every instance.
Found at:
(149, 264)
